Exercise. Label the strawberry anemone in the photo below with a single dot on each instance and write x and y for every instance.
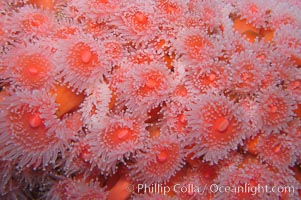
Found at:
(31, 134)
(245, 178)
(277, 150)
(171, 10)
(200, 177)
(160, 160)
(136, 21)
(288, 41)
(203, 14)
(206, 76)
(29, 22)
(77, 188)
(170, 17)
(101, 10)
(30, 67)
(114, 50)
(147, 84)
(284, 14)
(247, 71)
(256, 12)
(276, 109)
(217, 126)
(115, 140)
(195, 45)
(79, 61)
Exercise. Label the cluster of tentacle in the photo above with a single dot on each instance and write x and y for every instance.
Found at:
(96, 95)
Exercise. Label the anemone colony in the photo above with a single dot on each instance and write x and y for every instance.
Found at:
(99, 94)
